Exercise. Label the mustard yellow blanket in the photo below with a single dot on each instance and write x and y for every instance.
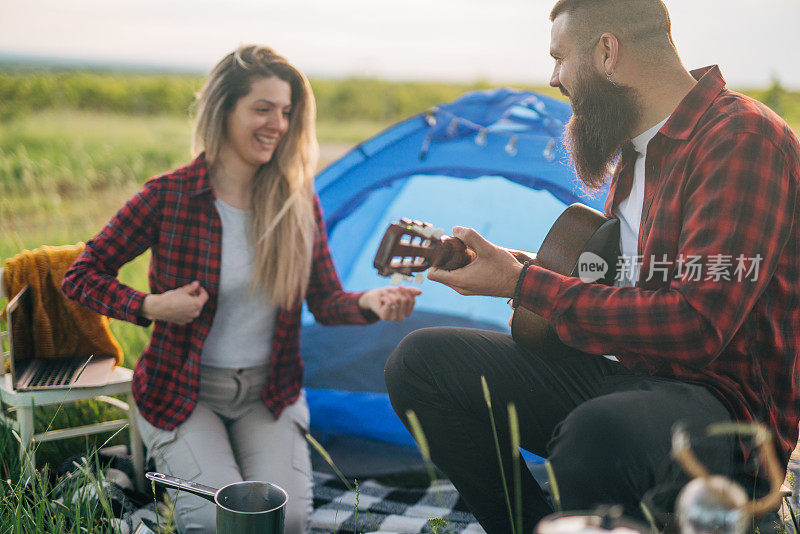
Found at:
(61, 326)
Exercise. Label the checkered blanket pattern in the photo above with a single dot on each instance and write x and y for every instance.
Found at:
(388, 509)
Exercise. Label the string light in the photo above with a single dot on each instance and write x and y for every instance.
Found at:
(458, 126)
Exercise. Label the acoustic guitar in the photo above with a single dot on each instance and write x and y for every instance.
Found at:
(582, 242)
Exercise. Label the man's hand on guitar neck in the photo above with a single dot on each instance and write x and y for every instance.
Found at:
(494, 272)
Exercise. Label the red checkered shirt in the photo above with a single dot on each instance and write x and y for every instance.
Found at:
(721, 183)
(175, 217)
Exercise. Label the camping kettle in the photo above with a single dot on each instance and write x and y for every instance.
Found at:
(713, 504)
(242, 507)
(603, 520)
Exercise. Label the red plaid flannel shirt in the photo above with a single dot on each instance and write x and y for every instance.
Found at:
(721, 181)
(174, 216)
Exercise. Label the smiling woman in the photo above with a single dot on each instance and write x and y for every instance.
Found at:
(252, 100)
(258, 122)
(237, 243)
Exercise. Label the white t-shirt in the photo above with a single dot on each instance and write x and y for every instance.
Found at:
(241, 333)
(629, 210)
(629, 213)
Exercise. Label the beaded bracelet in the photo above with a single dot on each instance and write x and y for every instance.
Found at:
(517, 289)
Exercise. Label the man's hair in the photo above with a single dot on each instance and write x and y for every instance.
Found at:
(644, 25)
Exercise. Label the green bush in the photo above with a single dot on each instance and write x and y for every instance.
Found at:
(782, 101)
(22, 91)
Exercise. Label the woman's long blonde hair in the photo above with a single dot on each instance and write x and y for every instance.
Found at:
(284, 226)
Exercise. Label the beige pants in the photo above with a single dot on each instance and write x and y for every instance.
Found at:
(229, 437)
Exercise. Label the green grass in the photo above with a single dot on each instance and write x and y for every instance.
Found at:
(40, 503)
(63, 173)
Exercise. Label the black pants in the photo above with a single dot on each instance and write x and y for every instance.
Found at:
(605, 431)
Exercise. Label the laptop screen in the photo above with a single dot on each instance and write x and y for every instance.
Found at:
(19, 314)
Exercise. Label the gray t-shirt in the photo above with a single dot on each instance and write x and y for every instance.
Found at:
(241, 333)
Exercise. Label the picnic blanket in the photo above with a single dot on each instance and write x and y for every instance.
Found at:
(388, 509)
(374, 507)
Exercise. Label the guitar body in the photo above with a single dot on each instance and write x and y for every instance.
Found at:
(579, 229)
(410, 247)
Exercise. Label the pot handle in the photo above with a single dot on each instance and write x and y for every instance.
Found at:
(206, 492)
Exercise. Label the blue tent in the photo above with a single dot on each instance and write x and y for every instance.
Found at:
(491, 160)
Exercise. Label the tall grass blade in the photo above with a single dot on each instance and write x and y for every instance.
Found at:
(551, 476)
(437, 523)
(325, 455)
(488, 399)
(513, 423)
(793, 515)
(648, 515)
(422, 443)
(355, 518)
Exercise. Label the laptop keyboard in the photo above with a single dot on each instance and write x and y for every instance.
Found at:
(55, 373)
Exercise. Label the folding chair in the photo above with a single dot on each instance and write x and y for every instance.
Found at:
(22, 403)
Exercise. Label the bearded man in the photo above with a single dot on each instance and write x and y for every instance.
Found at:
(702, 175)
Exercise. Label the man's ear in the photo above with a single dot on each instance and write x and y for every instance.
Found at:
(608, 52)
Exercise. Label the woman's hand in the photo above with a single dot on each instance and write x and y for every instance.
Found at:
(389, 303)
(180, 306)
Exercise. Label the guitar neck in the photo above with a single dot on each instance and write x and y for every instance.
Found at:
(410, 247)
(452, 254)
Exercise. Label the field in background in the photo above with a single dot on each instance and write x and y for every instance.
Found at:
(74, 146)
(22, 90)
(26, 89)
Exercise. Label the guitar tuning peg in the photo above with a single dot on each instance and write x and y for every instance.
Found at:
(437, 233)
(396, 278)
(418, 278)
(425, 231)
(408, 278)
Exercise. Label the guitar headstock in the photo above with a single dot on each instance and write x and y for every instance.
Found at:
(407, 247)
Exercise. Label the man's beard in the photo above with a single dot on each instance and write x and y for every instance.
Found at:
(604, 115)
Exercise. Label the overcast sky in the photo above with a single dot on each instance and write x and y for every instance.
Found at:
(499, 40)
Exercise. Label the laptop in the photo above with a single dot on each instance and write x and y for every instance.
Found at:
(29, 373)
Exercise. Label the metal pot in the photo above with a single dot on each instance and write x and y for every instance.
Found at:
(242, 507)
(603, 520)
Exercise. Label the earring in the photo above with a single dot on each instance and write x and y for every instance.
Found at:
(608, 77)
